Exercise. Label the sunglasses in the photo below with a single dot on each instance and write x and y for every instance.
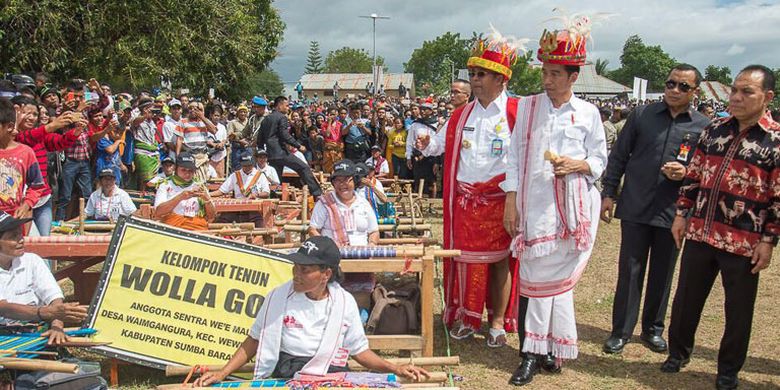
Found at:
(478, 74)
(683, 86)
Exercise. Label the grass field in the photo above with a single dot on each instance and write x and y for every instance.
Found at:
(636, 368)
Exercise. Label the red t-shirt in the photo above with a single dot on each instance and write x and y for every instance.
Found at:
(19, 169)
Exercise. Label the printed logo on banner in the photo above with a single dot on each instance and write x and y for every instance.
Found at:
(167, 296)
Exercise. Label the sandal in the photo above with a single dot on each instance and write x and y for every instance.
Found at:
(461, 332)
(496, 338)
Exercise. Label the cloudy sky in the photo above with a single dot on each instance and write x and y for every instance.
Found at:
(702, 32)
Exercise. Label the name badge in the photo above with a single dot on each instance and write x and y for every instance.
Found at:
(685, 149)
(497, 147)
(468, 128)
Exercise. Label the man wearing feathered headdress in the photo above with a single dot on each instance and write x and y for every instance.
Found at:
(557, 152)
(475, 145)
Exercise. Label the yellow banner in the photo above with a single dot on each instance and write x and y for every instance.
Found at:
(172, 297)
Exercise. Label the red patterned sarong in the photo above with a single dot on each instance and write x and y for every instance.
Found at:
(479, 233)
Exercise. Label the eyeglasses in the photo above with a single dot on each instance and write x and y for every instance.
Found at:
(683, 86)
(478, 74)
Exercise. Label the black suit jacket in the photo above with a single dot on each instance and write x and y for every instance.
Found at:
(274, 136)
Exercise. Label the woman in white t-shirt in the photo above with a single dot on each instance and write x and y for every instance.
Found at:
(216, 141)
(309, 324)
(29, 291)
(108, 202)
(341, 214)
(183, 202)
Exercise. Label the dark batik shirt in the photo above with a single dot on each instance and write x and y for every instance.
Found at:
(733, 186)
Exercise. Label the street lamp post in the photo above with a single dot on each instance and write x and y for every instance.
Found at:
(374, 17)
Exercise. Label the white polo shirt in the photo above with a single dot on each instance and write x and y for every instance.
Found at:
(231, 183)
(167, 191)
(28, 282)
(103, 207)
(358, 219)
(305, 321)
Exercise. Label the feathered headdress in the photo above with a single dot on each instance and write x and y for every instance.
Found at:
(497, 52)
(568, 45)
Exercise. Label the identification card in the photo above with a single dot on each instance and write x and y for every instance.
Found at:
(683, 155)
(497, 147)
(468, 128)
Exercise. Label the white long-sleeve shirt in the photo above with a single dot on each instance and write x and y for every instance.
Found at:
(478, 161)
(575, 131)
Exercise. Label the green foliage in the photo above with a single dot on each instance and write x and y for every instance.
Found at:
(266, 83)
(775, 104)
(198, 44)
(601, 66)
(721, 74)
(432, 63)
(526, 79)
(314, 59)
(651, 63)
(351, 60)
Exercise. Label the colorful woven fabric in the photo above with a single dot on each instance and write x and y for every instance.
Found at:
(31, 342)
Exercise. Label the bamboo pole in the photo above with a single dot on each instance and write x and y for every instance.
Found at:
(15, 352)
(82, 215)
(38, 365)
(242, 226)
(436, 376)
(382, 228)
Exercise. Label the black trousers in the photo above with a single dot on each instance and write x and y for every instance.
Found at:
(699, 266)
(637, 241)
(423, 169)
(522, 308)
(301, 168)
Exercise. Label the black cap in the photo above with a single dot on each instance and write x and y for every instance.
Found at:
(247, 160)
(106, 172)
(261, 152)
(361, 169)
(167, 159)
(186, 160)
(318, 250)
(376, 147)
(343, 168)
(8, 222)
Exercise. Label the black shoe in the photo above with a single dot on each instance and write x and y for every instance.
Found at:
(672, 365)
(615, 344)
(726, 382)
(548, 364)
(525, 372)
(655, 343)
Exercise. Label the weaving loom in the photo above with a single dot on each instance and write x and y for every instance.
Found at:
(32, 342)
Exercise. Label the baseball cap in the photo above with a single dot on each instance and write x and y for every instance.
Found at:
(427, 105)
(317, 250)
(247, 160)
(174, 102)
(361, 169)
(185, 160)
(343, 168)
(261, 152)
(242, 108)
(106, 172)
(257, 100)
(167, 159)
(376, 147)
(8, 222)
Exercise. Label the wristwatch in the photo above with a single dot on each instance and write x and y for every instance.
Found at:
(769, 240)
(682, 212)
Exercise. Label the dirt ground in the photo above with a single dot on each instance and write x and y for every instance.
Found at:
(636, 368)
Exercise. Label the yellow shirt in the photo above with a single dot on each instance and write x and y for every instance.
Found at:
(397, 141)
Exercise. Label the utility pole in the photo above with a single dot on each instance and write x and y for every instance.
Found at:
(374, 17)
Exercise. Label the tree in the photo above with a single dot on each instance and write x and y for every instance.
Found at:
(351, 60)
(526, 79)
(314, 59)
(601, 66)
(130, 44)
(433, 62)
(721, 74)
(639, 60)
(266, 83)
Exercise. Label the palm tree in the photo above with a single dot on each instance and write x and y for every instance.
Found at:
(601, 66)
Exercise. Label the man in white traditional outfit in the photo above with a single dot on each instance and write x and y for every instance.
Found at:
(475, 144)
(559, 149)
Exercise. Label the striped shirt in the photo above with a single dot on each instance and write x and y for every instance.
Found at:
(194, 135)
